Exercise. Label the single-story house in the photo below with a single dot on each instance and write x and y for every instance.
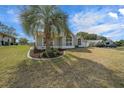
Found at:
(6, 39)
(64, 42)
(109, 43)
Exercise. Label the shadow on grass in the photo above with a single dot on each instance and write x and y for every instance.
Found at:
(85, 50)
(120, 48)
(80, 73)
(96, 75)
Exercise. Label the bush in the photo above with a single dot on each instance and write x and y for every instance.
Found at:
(100, 44)
(37, 50)
(120, 43)
(51, 53)
(76, 46)
(111, 45)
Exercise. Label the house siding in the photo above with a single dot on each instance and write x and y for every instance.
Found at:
(93, 42)
(40, 45)
(6, 39)
(84, 43)
(0, 39)
(62, 44)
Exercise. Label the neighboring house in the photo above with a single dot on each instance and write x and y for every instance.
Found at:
(93, 42)
(6, 39)
(109, 43)
(86, 43)
(64, 42)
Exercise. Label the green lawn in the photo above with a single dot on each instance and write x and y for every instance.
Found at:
(91, 67)
(120, 48)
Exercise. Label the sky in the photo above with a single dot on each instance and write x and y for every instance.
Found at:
(102, 20)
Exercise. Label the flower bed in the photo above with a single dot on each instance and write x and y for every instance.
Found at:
(51, 53)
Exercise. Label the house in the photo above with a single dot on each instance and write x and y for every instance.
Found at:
(109, 43)
(64, 42)
(59, 42)
(6, 39)
(86, 43)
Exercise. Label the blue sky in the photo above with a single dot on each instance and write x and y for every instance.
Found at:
(103, 20)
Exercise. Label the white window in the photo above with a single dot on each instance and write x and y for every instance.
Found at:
(51, 43)
(79, 41)
(43, 41)
(68, 41)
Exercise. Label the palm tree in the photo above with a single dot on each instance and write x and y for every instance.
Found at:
(48, 18)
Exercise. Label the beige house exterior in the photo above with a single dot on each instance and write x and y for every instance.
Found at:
(64, 42)
(6, 39)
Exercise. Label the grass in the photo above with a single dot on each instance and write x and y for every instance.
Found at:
(120, 48)
(92, 67)
(10, 58)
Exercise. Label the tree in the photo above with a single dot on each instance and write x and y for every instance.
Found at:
(120, 43)
(102, 38)
(7, 30)
(11, 31)
(23, 41)
(88, 36)
(92, 37)
(49, 19)
(82, 34)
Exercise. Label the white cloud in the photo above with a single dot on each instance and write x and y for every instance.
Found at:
(104, 28)
(86, 19)
(21, 34)
(16, 19)
(88, 22)
(14, 16)
(108, 30)
(97, 23)
(114, 15)
(81, 21)
(115, 33)
(11, 11)
(121, 10)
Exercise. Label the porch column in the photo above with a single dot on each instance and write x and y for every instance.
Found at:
(63, 42)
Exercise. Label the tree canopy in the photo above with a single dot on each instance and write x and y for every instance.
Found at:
(120, 43)
(23, 41)
(88, 36)
(7, 30)
(47, 19)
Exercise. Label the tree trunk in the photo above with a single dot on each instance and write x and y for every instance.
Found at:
(35, 45)
(47, 38)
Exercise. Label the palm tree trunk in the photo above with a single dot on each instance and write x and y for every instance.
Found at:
(47, 38)
(47, 41)
(35, 43)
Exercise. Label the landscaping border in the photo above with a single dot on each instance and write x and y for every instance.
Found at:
(39, 59)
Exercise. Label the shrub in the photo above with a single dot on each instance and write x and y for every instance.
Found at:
(111, 45)
(100, 44)
(120, 43)
(76, 46)
(51, 53)
(37, 50)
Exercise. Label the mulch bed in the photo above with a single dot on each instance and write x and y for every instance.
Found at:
(38, 53)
